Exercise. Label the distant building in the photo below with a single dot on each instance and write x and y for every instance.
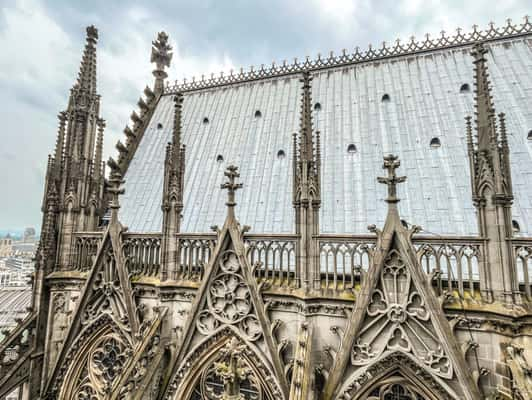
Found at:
(6, 244)
(29, 235)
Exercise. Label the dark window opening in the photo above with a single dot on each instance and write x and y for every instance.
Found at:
(205, 120)
(464, 88)
(404, 223)
(435, 143)
(515, 226)
(385, 98)
(351, 149)
(317, 106)
(281, 154)
(529, 137)
(219, 158)
(159, 126)
(258, 114)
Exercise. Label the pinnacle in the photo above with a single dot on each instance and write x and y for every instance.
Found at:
(92, 34)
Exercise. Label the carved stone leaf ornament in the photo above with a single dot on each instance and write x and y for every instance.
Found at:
(397, 319)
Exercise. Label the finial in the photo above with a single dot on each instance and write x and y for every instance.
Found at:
(115, 181)
(161, 55)
(232, 173)
(391, 163)
(92, 34)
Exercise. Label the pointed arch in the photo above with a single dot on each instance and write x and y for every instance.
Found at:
(95, 361)
(200, 360)
(396, 368)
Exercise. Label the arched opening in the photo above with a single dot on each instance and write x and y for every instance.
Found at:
(228, 367)
(352, 148)
(281, 155)
(205, 120)
(465, 88)
(219, 158)
(317, 107)
(529, 136)
(159, 126)
(435, 142)
(258, 114)
(97, 364)
(385, 98)
(515, 226)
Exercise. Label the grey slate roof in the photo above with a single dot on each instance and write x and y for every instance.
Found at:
(425, 102)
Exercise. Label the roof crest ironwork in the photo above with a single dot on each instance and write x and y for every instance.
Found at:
(443, 41)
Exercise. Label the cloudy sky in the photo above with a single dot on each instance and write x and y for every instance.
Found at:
(41, 44)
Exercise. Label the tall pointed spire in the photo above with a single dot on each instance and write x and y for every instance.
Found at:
(172, 202)
(307, 191)
(491, 186)
(87, 71)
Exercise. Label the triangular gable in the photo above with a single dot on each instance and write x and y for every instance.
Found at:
(107, 294)
(397, 312)
(228, 303)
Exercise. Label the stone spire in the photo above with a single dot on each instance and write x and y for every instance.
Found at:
(172, 202)
(306, 191)
(491, 186)
(76, 167)
(161, 55)
(87, 70)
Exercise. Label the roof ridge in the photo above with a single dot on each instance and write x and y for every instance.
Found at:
(371, 54)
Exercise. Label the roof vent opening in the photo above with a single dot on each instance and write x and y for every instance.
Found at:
(515, 226)
(385, 98)
(351, 149)
(281, 154)
(205, 120)
(219, 158)
(159, 126)
(529, 136)
(317, 107)
(465, 88)
(258, 114)
(435, 142)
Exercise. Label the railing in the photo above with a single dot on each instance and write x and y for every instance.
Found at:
(523, 263)
(276, 255)
(453, 262)
(194, 252)
(85, 249)
(143, 253)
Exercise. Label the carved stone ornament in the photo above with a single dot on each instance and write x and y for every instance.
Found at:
(229, 301)
(398, 320)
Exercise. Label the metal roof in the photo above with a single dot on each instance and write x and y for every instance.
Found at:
(425, 102)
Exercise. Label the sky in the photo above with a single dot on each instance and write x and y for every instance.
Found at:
(42, 41)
